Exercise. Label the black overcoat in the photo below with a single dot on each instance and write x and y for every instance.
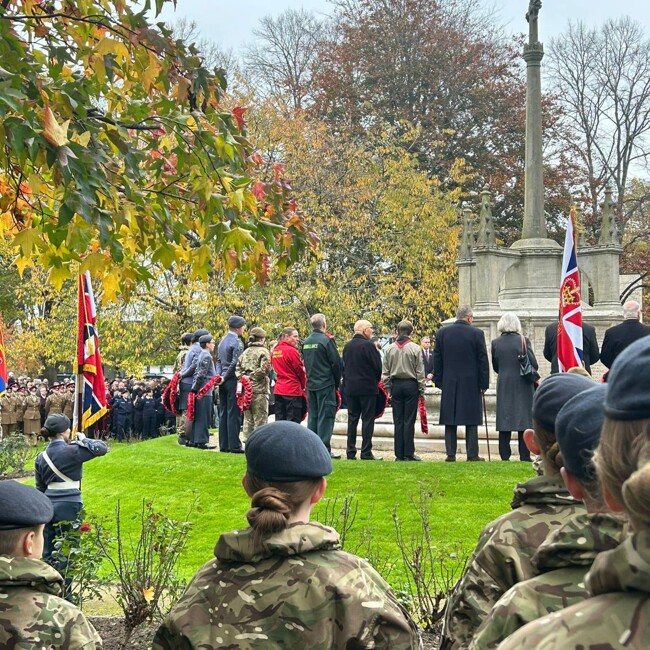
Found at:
(617, 338)
(361, 366)
(461, 371)
(514, 392)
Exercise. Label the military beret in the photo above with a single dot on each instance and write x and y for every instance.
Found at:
(258, 332)
(22, 506)
(553, 393)
(628, 397)
(205, 339)
(57, 423)
(577, 430)
(286, 451)
(236, 321)
(199, 333)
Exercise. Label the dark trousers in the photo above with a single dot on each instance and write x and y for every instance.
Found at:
(405, 396)
(504, 446)
(64, 524)
(471, 439)
(149, 426)
(202, 419)
(288, 407)
(229, 416)
(361, 406)
(321, 413)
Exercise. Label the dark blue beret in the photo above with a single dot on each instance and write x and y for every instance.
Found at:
(628, 397)
(22, 506)
(236, 322)
(57, 423)
(286, 451)
(205, 339)
(577, 430)
(199, 333)
(553, 393)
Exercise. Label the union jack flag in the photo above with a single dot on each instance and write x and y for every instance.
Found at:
(90, 396)
(569, 329)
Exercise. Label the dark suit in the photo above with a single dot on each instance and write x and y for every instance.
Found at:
(428, 362)
(617, 338)
(461, 371)
(590, 352)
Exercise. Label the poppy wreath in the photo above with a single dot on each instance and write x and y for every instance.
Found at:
(381, 401)
(192, 397)
(170, 396)
(422, 408)
(245, 397)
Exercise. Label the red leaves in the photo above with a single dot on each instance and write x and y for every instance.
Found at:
(238, 112)
(85, 528)
(278, 171)
(259, 190)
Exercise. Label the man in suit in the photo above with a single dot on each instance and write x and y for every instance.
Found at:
(590, 352)
(617, 338)
(427, 358)
(461, 371)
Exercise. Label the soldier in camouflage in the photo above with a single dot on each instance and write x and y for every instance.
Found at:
(284, 582)
(32, 612)
(567, 554)
(255, 363)
(618, 613)
(502, 557)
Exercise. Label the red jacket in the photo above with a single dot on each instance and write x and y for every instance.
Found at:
(291, 378)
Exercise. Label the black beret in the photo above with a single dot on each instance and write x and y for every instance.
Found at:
(577, 430)
(206, 338)
(236, 322)
(628, 397)
(286, 451)
(22, 506)
(57, 423)
(553, 393)
(199, 333)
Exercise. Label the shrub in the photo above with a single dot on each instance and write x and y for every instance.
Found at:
(13, 454)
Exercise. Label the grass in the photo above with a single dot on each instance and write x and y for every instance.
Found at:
(177, 480)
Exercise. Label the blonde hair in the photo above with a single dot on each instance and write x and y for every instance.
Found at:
(623, 466)
(549, 449)
(272, 504)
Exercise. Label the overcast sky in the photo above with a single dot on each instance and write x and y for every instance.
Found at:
(231, 23)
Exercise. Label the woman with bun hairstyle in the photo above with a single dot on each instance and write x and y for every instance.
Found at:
(283, 581)
(618, 613)
(58, 476)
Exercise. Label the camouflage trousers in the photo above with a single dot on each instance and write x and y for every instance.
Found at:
(257, 414)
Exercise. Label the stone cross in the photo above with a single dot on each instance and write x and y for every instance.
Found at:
(531, 17)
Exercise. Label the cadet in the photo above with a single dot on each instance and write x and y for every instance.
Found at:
(255, 363)
(55, 400)
(32, 416)
(19, 395)
(618, 613)
(33, 614)
(68, 403)
(567, 554)
(8, 413)
(200, 437)
(323, 367)
(284, 582)
(502, 557)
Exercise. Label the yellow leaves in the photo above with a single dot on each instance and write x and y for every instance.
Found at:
(182, 86)
(96, 263)
(111, 285)
(83, 139)
(114, 47)
(148, 594)
(27, 240)
(55, 134)
(58, 275)
(150, 73)
(22, 263)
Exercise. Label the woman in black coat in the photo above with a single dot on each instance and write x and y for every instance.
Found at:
(514, 392)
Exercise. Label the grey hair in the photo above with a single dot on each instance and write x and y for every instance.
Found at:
(464, 311)
(631, 309)
(317, 321)
(509, 322)
(361, 325)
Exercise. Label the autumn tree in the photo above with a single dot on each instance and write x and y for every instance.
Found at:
(113, 134)
(601, 77)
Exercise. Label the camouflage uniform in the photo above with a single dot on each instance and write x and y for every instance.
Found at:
(562, 561)
(32, 418)
(8, 414)
(54, 403)
(32, 613)
(616, 617)
(502, 557)
(255, 363)
(296, 589)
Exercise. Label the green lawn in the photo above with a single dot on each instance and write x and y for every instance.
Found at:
(467, 495)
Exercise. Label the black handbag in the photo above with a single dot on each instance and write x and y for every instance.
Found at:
(526, 369)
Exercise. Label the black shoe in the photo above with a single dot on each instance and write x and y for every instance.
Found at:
(334, 456)
(413, 458)
(224, 451)
(399, 459)
(450, 459)
(351, 457)
(475, 459)
(239, 450)
(205, 445)
(371, 457)
(182, 441)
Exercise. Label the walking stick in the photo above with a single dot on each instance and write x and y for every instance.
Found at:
(487, 439)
